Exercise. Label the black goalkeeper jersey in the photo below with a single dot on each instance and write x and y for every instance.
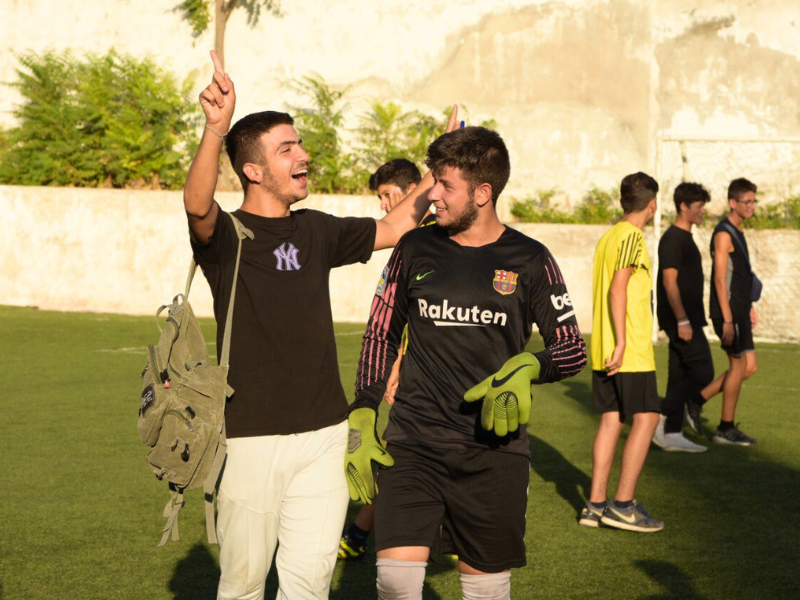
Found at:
(468, 310)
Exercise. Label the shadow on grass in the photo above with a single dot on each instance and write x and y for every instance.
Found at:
(579, 390)
(196, 576)
(572, 484)
(677, 583)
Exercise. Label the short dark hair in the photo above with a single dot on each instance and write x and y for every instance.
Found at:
(399, 171)
(636, 191)
(243, 142)
(739, 187)
(688, 193)
(479, 153)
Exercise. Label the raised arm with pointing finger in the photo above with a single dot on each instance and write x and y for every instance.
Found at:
(218, 101)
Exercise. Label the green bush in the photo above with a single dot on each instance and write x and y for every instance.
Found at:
(99, 121)
(781, 215)
(331, 169)
(598, 207)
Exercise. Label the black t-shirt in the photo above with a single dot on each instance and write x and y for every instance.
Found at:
(283, 364)
(738, 277)
(677, 250)
(468, 311)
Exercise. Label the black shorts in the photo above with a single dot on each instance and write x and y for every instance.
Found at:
(465, 501)
(626, 393)
(742, 336)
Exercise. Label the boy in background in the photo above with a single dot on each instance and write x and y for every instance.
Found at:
(623, 362)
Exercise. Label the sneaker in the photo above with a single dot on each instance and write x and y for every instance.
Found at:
(658, 436)
(733, 436)
(693, 412)
(677, 442)
(590, 517)
(350, 549)
(633, 518)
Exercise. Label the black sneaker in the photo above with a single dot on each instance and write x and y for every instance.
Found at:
(633, 518)
(349, 549)
(590, 516)
(733, 436)
(693, 412)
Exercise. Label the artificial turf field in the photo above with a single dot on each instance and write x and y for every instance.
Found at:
(80, 514)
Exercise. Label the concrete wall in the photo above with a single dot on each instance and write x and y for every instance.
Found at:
(579, 88)
(128, 252)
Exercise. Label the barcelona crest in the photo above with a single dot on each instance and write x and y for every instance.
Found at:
(505, 282)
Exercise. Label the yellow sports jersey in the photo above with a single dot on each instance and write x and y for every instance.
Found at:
(620, 247)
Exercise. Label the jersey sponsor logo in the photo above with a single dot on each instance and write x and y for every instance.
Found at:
(382, 281)
(448, 315)
(287, 257)
(560, 303)
(505, 282)
(421, 276)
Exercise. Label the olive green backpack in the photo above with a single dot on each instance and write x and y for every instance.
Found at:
(182, 410)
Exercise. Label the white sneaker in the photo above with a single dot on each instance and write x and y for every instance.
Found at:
(677, 442)
(658, 437)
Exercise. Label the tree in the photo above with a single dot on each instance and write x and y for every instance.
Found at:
(110, 120)
(198, 14)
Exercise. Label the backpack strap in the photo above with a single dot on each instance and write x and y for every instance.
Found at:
(241, 232)
(734, 233)
(171, 510)
(210, 485)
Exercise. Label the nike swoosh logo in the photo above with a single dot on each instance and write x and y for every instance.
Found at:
(424, 275)
(498, 382)
(626, 518)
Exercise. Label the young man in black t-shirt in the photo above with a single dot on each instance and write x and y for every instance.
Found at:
(731, 309)
(286, 426)
(470, 290)
(679, 289)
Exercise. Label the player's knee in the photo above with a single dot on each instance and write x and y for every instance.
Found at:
(750, 370)
(494, 586)
(400, 579)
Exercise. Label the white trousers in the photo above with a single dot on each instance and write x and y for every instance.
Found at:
(284, 490)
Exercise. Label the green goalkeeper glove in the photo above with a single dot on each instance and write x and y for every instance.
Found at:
(506, 395)
(363, 447)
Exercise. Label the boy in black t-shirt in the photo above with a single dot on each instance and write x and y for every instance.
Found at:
(286, 421)
(681, 316)
(392, 182)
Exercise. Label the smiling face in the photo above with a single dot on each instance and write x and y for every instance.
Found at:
(285, 172)
(694, 212)
(454, 201)
(744, 206)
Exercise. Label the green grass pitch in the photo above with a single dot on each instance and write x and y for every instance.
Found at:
(81, 514)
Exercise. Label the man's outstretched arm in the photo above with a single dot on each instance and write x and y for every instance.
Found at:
(218, 101)
(406, 216)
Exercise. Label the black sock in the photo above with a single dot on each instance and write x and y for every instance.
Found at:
(598, 505)
(698, 399)
(358, 535)
(725, 425)
(626, 504)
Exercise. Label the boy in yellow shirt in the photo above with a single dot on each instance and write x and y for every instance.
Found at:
(623, 363)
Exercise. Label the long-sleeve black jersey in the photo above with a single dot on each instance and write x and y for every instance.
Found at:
(468, 310)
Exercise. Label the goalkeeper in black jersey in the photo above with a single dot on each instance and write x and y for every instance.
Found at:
(470, 289)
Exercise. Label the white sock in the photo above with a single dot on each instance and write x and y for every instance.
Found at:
(489, 586)
(400, 579)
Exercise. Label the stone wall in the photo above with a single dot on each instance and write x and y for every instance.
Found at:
(578, 88)
(128, 252)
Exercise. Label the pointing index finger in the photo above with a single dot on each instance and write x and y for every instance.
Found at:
(217, 62)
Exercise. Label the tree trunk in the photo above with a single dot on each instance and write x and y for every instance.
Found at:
(222, 11)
